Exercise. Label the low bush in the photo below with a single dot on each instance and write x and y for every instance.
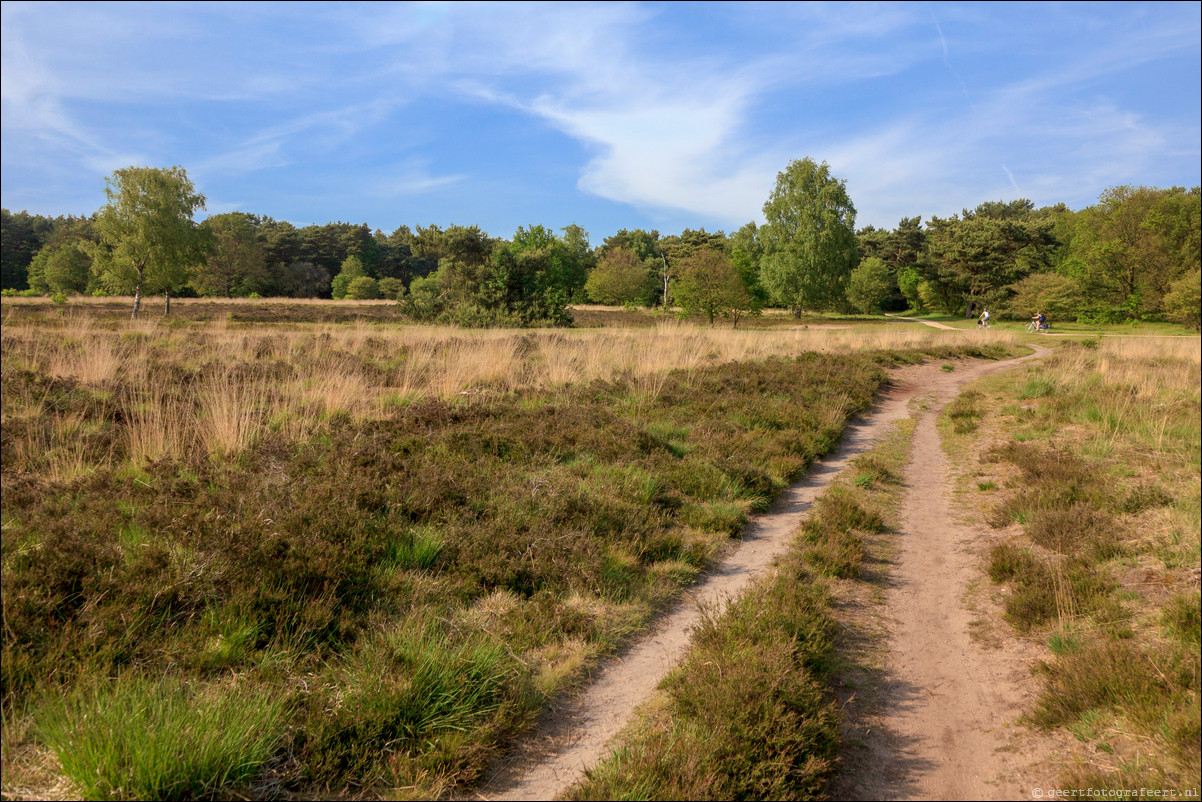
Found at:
(833, 546)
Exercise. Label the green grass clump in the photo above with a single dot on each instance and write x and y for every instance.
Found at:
(1007, 561)
(1182, 617)
(965, 411)
(415, 548)
(1043, 591)
(406, 691)
(832, 534)
(1072, 528)
(138, 738)
(872, 469)
(1147, 684)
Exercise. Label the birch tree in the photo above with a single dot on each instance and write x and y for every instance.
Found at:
(148, 240)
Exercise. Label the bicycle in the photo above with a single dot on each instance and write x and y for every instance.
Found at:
(1034, 328)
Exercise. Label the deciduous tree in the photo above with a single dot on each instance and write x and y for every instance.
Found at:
(620, 277)
(235, 263)
(1131, 246)
(707, 283)
(148, 240)
(810, 239)
(869, 285)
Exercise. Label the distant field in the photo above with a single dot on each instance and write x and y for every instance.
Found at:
(357, 557)
(312, 310)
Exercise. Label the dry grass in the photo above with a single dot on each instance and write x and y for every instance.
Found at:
(219, 386)
(1097, 467)
(536, 494)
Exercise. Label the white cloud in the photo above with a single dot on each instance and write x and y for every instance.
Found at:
(676, 117)
(408, 178)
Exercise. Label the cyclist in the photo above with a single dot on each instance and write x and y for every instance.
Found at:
(984, 321)
(1041, 321)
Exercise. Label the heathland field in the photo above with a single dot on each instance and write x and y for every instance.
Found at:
(318, 555)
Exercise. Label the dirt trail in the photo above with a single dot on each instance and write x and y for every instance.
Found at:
(945, 727)
(573, 736)
(930, 323)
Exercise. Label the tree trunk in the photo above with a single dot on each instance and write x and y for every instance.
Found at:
(137, 295)
(666, 277)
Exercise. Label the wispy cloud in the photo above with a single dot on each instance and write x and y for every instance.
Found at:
(666, 110)
(407, 179)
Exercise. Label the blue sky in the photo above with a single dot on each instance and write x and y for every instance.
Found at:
(640, 115)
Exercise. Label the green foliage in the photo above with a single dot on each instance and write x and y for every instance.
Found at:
(235, 262)
(509, 287)
(363, 288)
(412, 687)
(620, 277)
(1129, 249)
(902, 250)
(1058, 296)
(908, 282)
(62, 266)
(391, 288)
(644, 244)
(1183, 301)
(424, 299)
(352, 269)
(148, 241)
(708, 284)
(135, 738)
(809, 241)
(975, 258)
(869, 285)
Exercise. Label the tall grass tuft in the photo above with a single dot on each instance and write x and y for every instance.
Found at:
(139, 738)
(416, 700)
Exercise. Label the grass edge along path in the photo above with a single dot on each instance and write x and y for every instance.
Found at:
(749, 712)
(1086, 470)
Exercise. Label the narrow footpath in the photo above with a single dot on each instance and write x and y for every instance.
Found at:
(945, 726)
(933, 678)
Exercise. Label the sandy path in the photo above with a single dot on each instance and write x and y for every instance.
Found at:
(945, 727)
(573, 736)
(930, 323)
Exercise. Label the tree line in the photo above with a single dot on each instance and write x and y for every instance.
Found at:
(1134, 255)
